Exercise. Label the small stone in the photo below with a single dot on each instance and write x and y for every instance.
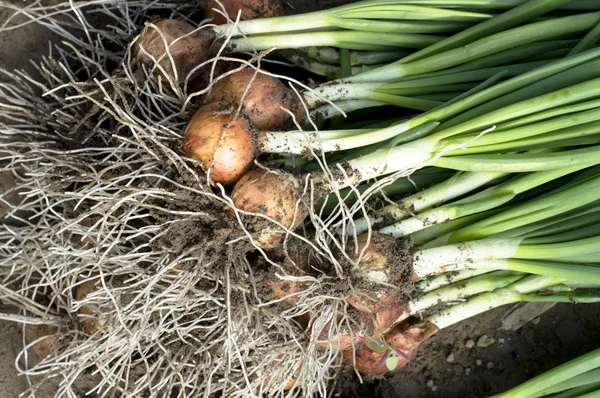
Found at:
(467, 371)
(536, 320)
(478, 362)
(450, 358)
(501, 340)
(433, 388)
(470, 343)
(489, 365)
(430, 383)
(485, 341)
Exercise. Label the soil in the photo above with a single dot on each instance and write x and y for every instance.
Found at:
(445, 366)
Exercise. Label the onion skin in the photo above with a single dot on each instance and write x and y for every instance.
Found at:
(45, 347)
(213, 135)
(187, 52)
(342, 341)
(90, 321)
(263, 102)
(405, 338)
(274, 195)
(251, 9)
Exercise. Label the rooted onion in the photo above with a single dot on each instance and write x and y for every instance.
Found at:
(406, 339)
(46, 336)
(215, 136)
(373, 264)
(344, 340)
(264, 100)
(276, 195)
(90, 317)
(187, 52)
(251, 9)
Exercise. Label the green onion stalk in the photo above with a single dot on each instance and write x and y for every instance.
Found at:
(481, 201)
(383, 30)
(569, 82)
(579, 377)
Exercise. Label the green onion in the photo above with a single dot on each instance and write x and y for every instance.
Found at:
(583, 371)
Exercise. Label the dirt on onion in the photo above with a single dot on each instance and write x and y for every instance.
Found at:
(273, 194)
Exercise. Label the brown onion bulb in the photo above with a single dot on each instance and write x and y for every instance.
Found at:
(251, 9)
(264, 100)
(374, 264)
(91, 318)
(274, 195)
(404, 338)
(215, 135)
(187, 52)
(46, 336)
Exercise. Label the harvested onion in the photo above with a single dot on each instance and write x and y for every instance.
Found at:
(404, 339)
(251, 9)
(221, 143)
(187, 49)
(90, 317)
(46, 338)
(372, 255)
(263, 102)
(276, 195)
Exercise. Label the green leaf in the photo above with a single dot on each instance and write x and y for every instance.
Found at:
(377, 346)
(391, 362)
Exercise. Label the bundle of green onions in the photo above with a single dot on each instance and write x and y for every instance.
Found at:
(579, 377)
(506, 141)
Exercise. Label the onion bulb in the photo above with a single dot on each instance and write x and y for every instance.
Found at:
(274, 194)
(251, 9)
(373, 265)
(404, 339)
(343, 340)
(45, 336)
(91, 319)
(187, 52)
(221, 143)
(262, 103)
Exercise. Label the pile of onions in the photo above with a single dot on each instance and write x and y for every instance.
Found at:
(274, 194)
(250, 9)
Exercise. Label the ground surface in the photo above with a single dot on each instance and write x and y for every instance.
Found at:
(445, 366)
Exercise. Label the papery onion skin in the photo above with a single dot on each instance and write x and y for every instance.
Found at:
(211, 134)
(262, 103)
(187, 52)
(251, 9)
(405, 338)
(274, 194)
